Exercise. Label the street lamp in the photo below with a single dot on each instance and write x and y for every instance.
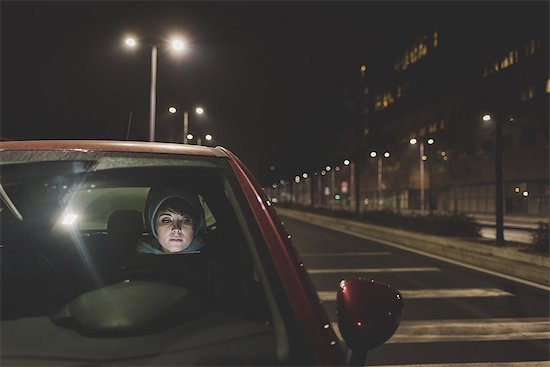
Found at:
(423, 158)
(499, 207)
(198, 111)
(380, 192)
(177, 45)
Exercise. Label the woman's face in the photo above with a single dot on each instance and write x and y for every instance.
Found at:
(174, 230)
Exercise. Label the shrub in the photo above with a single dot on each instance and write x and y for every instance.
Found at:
(540, 238)
(459, 225)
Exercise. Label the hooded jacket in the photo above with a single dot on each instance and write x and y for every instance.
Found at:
(155, 198)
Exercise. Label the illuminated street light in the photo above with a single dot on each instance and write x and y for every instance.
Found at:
(305, 175)
(208, 137)
(498, 121)
(346, 162)
(380, 192)
(525, 193)
(327, 168)
(297, 179)
(190, 136)
(176, 44)
(199, 110)
(413, 141)
(130, 42)
(172, 110)
(323, 172)
(430, 141)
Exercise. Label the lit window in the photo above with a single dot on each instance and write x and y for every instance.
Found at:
(548, 86)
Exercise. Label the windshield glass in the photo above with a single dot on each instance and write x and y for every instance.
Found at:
(120, 244)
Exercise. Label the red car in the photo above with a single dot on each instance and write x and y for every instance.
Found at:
(96, 269)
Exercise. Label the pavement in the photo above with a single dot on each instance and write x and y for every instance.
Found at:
(508, 262)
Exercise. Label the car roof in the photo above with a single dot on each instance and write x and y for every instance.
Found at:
(113, 146)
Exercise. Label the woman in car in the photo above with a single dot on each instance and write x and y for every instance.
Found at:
(176, 221)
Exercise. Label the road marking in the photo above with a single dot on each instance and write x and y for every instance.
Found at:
(436, 293)
(441, 331)
(488, 364)
(330, 254)
(424, 253)
(370, 270)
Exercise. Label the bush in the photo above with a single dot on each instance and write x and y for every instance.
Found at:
(459, 225)
(540, 238)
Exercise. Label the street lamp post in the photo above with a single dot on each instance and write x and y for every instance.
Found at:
(380, 186)
(499, 207)
(422, 158)
(186, 135)
(177, 45)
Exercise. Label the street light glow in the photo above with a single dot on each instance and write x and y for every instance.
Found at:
(190, 136)
(424, 157)
(431, 141)
(363, 68)
(516, 189)
(305, 175)
(387, 154)
(177, 44)
(337, 168)
(172, 110)
(327, 168)
(486, 117)
(208, 137)
(346, 162)
(413, 141)
(526, 193)
(373, 154)
(323, 173)
(297, 179)
(199, 110)
(130, 42)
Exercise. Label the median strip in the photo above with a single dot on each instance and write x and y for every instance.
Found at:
(436, 293)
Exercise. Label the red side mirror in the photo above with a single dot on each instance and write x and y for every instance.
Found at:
(368, 313)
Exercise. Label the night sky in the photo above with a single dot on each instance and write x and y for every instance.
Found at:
(271, 76)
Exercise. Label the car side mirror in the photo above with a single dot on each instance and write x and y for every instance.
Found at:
(368, 314)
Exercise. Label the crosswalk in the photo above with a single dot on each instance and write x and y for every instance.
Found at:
(450, 330)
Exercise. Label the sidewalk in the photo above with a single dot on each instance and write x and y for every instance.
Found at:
(507, 262)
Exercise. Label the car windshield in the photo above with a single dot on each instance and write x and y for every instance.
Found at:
(71, 228)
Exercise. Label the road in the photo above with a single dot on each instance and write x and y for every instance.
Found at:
(453, 316)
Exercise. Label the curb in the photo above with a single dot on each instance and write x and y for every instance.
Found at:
(508, 261)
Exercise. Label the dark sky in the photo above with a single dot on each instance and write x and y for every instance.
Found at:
(271, 76)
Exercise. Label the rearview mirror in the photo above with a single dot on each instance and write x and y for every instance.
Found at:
(368, 314)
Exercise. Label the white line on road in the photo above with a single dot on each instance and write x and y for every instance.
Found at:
(455, 262)
(441, 331)
(488, 364)
(436, 293)
(370, 270)
(330, 254)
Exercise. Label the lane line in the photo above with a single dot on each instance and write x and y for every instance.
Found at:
(482, 364)
(442, 331)
(330, 254)
(427, 254)
(436, 293)
(370, 270)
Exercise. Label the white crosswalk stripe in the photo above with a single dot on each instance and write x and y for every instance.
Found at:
(436, 293)
(439, 331)
(370, 270)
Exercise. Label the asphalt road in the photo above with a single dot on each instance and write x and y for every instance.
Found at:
(453, 316)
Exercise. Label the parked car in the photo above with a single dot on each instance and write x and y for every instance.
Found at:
(76, 291)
